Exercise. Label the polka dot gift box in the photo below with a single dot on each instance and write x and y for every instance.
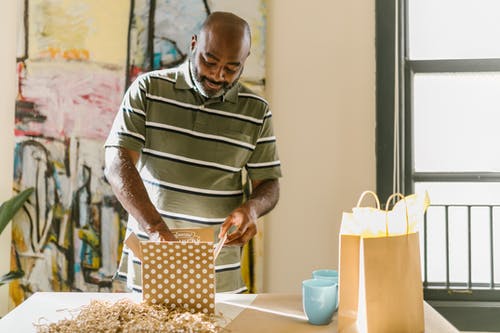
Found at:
(180, 274)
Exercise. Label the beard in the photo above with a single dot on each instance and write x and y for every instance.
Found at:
(199, 80)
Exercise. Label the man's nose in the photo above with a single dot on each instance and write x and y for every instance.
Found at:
(218, 74)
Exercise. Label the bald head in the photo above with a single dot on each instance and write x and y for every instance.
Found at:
(228, 26)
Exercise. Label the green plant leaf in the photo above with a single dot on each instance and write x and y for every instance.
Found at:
(9, 208)
(11, 276)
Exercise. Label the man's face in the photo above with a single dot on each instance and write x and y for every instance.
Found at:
(217, 62)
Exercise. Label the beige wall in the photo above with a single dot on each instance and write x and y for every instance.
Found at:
(321, 85)
(7, 98)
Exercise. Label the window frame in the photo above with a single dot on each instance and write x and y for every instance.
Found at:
(386, 53)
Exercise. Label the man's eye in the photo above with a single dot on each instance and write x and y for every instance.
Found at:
(207, 63)
(230, 71)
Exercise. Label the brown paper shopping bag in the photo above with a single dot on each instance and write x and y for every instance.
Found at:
(380, 287)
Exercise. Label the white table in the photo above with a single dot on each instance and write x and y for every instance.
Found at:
(53, 306)
(247, 312)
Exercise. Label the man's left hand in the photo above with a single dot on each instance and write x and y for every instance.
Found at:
(245, 223)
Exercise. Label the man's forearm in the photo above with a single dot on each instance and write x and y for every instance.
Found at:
(264, 198)
(129, 189)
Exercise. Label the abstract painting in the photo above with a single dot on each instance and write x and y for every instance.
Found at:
(74, 61)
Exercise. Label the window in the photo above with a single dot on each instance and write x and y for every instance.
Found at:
(438, 90)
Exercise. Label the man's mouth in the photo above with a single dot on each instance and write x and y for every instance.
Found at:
(213, 85)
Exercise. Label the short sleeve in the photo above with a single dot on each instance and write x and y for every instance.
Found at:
(128, 129)
(264, 162)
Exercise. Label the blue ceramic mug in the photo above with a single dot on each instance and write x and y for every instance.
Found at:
(319, 299)
(327, 274)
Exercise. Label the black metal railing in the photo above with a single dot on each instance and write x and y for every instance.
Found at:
(466, 286)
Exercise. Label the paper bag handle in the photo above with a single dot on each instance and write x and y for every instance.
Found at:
(364, 194)
(401, 197)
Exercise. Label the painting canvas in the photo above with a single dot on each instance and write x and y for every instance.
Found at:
(74, 61)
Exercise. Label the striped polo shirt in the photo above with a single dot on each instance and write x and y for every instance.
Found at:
(194, 153)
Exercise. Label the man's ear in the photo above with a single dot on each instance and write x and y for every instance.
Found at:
(194, 39)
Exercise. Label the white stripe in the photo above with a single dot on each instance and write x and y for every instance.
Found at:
(137, 232)
(254, 96)
(194, 218)
(132, 256)
(171, 101)
(142, 234)
(138, 111)
(267, 138)
(166, 78)
(202, 107)
(191, 160)
(234, 291)
(255, 165)
(199, 134)
(268, 114)
(195, 189)
(136, 286)
(232, 115)
(137, 135)
(126, 105)
(236, 264)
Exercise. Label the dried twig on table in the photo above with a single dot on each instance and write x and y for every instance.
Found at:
(125, 316)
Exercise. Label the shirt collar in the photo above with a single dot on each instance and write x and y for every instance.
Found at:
(184, 81)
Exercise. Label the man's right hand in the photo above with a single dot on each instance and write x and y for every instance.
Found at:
(160, 232)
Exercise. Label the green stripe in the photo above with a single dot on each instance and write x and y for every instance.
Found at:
(190, 175)
(198, 205)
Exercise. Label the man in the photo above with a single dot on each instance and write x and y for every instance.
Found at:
(179, 144)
